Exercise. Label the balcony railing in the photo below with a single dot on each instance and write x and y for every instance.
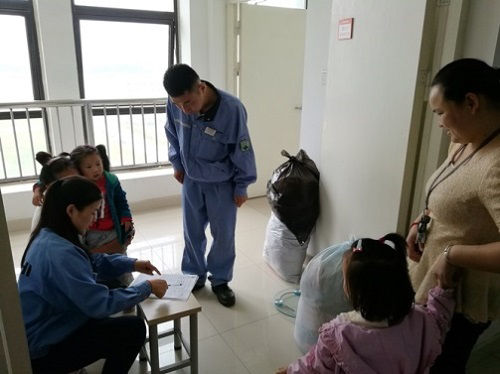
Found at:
(131, 129)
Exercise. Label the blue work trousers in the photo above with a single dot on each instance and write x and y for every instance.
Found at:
(205, 203)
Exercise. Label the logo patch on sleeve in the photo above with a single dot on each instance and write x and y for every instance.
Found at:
(245, 145)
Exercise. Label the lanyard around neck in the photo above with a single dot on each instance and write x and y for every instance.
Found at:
(437, 182)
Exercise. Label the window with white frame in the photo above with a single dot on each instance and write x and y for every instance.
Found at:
(20, 64)
(123, 50)
(22, 129)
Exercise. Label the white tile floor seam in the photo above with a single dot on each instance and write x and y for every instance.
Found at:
(251, 337)
(247, 323)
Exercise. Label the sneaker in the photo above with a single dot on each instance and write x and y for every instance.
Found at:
(198, 286)
(224, 294)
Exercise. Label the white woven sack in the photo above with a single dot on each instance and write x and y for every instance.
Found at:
(322, 295)
(282, 252)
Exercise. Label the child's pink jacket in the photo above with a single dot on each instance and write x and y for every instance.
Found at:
(409, 347)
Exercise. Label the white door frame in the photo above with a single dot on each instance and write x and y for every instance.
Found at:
(442, 42)
(232, 52)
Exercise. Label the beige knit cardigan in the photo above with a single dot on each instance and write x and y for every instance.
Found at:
(465, 209)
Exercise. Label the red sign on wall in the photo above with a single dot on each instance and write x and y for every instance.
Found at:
(345, 28)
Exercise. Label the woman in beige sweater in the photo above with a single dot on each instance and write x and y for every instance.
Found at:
(462, 207)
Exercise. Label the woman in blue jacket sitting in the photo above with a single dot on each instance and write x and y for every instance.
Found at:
(66, 313)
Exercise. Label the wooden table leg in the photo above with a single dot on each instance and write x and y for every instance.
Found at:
(143, 355)
(177, 331)
(193, 342)
(153, 347)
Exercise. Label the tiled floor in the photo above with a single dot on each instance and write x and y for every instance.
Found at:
(251, 337)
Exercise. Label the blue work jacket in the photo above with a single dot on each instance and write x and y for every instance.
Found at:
(216, 150)
(59, 293)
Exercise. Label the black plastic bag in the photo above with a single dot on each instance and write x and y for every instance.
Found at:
(293, 193)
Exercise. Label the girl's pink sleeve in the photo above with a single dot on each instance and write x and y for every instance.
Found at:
(319, 359)
(440, 305)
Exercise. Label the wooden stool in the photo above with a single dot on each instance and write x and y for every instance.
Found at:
(154, 312)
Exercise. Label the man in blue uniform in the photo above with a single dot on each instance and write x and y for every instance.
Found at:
(213, 158)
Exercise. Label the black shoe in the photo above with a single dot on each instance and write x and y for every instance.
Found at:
(224, 294)
(198, 286)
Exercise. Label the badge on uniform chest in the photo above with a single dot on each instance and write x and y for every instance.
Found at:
(210, 131)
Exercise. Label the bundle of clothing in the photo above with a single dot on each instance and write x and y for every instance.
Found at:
(322, 295)
(293, 194)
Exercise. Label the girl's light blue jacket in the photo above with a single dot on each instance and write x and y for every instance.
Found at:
(59, 293)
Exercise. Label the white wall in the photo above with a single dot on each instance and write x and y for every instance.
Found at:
(54, 23)
(317, 46)
(369, 97)
(204, 48)
(482, 30)
(203, 43)
(145, 190)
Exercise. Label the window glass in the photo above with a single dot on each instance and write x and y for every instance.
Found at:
(158, 5)
(142, 138)
(17, 141)
(15, 71)
(123, 59)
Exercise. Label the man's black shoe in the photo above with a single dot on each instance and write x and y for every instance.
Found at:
(198, 286)
(224, 294)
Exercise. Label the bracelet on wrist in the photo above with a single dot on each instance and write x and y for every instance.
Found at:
(446, 253)
(414, 224)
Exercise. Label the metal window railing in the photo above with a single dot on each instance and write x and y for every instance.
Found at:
(131, 129)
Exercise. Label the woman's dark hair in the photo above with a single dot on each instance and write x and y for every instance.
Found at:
(82, 151)
(75, 190)
(52, 166)
(377, 278)
(179, 79)
(469, 75)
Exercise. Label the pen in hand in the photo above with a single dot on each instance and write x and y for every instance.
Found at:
(176, 284)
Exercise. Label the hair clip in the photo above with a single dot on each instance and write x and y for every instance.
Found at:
(55, 159)
(359, 246)
(387, 242)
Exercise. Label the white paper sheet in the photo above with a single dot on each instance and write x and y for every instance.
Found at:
(179, 285)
